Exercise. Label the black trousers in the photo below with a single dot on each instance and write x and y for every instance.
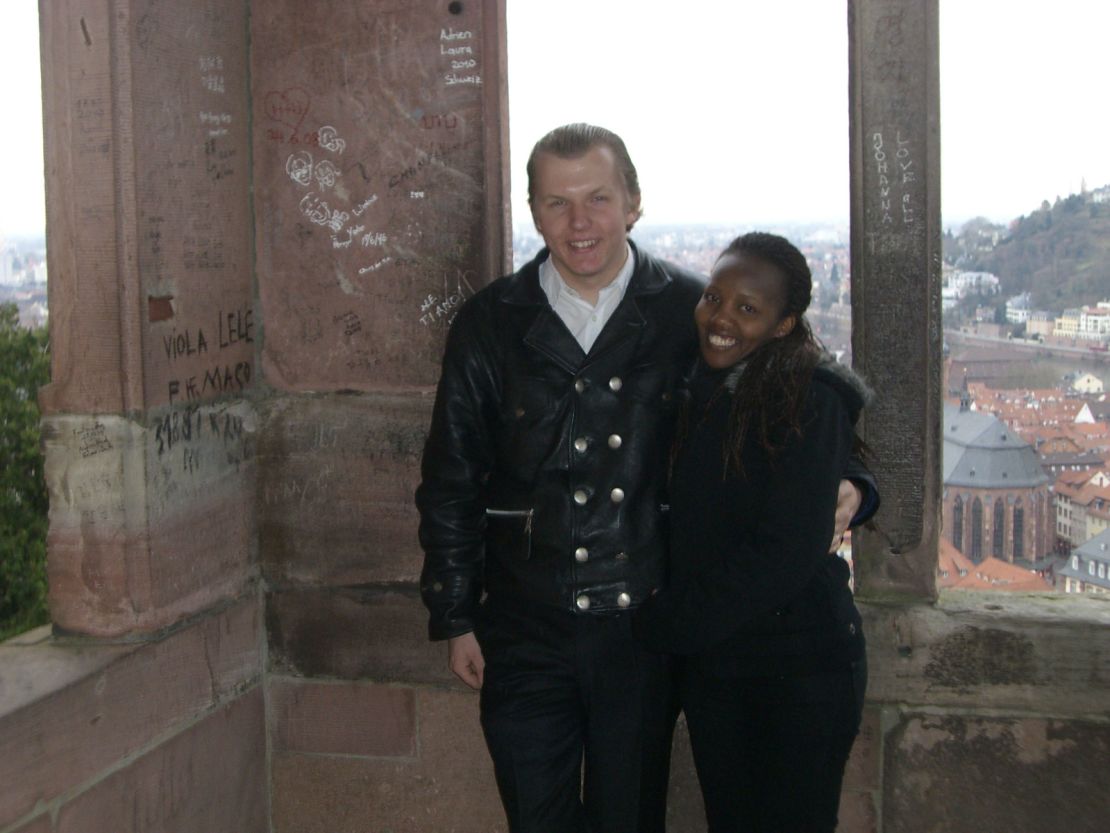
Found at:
(578, 718)
(770, 752)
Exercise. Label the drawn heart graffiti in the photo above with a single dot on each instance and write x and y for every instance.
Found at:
(289, 107)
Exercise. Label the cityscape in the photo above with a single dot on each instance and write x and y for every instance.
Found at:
(23, 278)
(1026, 467)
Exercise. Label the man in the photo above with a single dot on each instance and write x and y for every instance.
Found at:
(544, 491)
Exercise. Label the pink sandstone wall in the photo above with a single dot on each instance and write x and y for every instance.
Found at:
(168, 735)
(377, 133)
(153, 336)
(379, 138)
(146, 710)
(148, 181)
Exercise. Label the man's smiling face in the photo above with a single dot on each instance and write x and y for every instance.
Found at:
(583, 210)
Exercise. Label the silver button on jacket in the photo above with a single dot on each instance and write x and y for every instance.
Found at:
(516, 397)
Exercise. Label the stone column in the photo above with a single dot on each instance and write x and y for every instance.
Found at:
(147, 429)
(896, 267)
(381, 205)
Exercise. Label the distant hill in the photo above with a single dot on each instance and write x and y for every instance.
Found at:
(1059, 253)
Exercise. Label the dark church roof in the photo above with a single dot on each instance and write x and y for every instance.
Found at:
(981, 452)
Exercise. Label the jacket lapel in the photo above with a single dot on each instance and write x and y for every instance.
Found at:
(550, 336)
(627, 321)
(545, 332)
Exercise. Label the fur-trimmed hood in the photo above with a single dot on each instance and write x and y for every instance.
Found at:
(855, 392)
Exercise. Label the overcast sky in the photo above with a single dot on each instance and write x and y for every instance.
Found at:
(737, 112)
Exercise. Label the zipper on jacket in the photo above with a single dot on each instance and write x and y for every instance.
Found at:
(514, 513)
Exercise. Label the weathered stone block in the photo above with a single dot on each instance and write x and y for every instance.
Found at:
(857, 813)
(996, 650)
(337, 477)
(150, 521)
(41, 824)
(68, 712)
(337, 718)
(86, 354)
(965, 774)
(864, 765)
(379, 184)
(354, 633)
(149, 214)
(191, 218)
(210, 777)
(448, 787)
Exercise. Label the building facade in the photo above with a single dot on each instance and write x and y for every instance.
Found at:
(1040, 323)
(1067, 324)
(1019, 308)
(997, 500)
(1088, 567)
(1087, 383)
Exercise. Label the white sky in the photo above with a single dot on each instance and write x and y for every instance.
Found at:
(737, 112)
(23, 210)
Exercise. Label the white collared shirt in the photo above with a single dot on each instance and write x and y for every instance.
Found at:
(585, 320)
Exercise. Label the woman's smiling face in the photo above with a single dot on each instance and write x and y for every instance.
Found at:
(740, 309)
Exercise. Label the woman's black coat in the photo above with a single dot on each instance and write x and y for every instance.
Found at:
(753, 589)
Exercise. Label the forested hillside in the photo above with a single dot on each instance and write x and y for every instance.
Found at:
(1060, 253)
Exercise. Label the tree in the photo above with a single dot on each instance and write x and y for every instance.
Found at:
(24, 367)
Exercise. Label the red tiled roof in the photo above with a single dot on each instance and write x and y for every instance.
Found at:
(989, 574)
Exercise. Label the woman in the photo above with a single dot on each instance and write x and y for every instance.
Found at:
(774, 674)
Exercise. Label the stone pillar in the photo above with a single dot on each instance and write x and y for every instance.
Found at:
(146, 429)
(896, 267)
(381, 204)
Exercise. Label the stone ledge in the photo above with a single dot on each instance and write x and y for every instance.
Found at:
(210, 778)
(1042, 607)
(71, 710)
(1033, 655)
(336, 479)
(354, 633)
(151, 519)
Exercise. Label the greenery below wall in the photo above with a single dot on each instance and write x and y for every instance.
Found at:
(24, 368)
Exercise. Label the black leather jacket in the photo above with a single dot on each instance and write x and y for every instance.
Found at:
(544, 471)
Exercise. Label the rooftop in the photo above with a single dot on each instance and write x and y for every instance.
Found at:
(954, 569)
(981, 452)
